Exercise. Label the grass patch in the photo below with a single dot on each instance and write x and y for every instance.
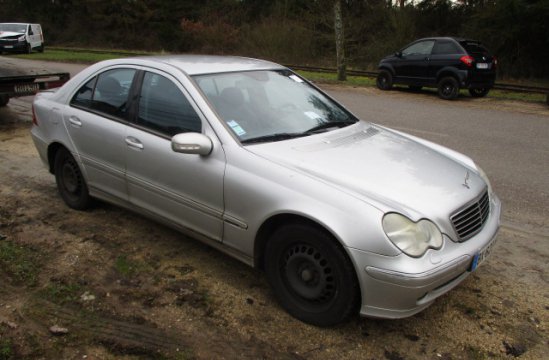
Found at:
(61, 293)
(69, 56)
(78, 55)
(331, 78)
(127, 267)
(20, 263)
(6, 349)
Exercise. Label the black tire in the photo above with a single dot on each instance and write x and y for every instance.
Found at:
(28, 49)
(311, 276)
(448, 88)
(415, 87)
(41, 48)
(70, 183)
(4, 100)
(478, 93)
(384, 80)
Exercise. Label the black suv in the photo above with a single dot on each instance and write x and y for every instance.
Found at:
(447, 63)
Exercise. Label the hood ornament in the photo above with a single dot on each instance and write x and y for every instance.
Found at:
(466, 180)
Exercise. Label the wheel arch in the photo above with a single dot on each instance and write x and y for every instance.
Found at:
(53, 148)
(273, 223)
(449, 71)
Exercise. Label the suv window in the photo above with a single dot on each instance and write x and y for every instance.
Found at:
(473, 47)
(419, 48)
(446, 47)
(164, 108)
(107, 93)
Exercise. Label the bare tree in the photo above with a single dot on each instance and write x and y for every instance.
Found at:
(340, 41)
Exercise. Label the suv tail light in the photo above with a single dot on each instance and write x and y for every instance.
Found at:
(34, 118)
(467, 60)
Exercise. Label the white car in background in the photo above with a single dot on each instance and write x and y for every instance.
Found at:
(21, 37)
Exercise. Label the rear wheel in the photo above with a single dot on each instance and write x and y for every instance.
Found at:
(311, 276)
(70, 183)
(482, 92)
(41, 48)
(384, 80)
(448, 88)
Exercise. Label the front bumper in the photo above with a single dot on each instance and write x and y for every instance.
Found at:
(401, 286)
(19, 46)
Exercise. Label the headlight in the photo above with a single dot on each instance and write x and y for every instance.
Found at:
(485, 178)
(412, 238)
(21, 38)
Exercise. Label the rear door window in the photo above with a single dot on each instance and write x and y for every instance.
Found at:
(107, 93)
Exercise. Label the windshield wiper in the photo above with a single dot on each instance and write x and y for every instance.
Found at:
(273, 137)
(330, 124)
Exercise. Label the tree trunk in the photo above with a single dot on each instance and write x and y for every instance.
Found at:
(340, 40)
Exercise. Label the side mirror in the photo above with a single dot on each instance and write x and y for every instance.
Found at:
(192, 143)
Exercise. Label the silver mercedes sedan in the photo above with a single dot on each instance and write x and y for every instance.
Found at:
(343, 215)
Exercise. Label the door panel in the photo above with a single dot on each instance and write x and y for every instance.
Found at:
(183, 188)
(100, 144)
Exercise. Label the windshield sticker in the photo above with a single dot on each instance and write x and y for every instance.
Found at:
(313, 115)
(236, 127)
(296, 78)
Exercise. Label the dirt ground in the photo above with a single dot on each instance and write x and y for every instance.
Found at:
(109, 284)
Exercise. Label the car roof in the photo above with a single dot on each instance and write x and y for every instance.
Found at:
(458, 39)
(209, 64)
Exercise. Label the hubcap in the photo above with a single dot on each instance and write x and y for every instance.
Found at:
(308, 274)
(71, 179)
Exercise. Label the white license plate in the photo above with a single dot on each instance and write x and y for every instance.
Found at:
(26, 88)
(8, 47)
(482, 255)
(482, 66)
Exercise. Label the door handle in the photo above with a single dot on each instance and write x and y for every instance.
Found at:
(74, 121)
(134, 143)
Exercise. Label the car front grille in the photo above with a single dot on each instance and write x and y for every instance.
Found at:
(469, 220)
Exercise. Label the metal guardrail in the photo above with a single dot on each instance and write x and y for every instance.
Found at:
(497, 86)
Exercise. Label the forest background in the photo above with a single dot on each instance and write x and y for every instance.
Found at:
(295, 31)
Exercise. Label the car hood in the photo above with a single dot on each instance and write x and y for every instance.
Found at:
(386, 169)
(5, 34)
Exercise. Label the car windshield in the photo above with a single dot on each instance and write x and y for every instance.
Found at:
(20, 28)
(265, 106)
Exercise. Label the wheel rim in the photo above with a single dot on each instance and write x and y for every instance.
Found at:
(383, 81)
(447, 89)
(70, 175)
(308, 274)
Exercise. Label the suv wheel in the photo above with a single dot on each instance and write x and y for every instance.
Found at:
(482, 92)
(448, 88)
(384, 80)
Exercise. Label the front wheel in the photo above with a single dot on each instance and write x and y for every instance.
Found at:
(448, 88)
(311, 276)
(384, 80)
(70, 182)
(478, 93)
